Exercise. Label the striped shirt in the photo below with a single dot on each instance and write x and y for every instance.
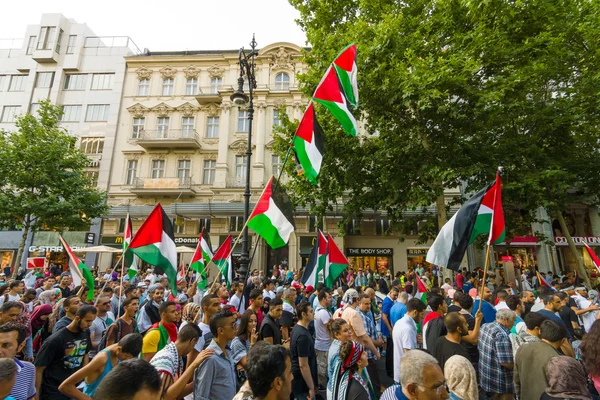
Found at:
(24, 387)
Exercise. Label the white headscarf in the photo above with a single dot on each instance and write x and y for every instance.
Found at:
(461, 378)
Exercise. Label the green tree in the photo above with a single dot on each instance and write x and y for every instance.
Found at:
(43, 180)
(451, 89)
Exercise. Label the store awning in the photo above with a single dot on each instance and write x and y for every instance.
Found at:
(521, 241)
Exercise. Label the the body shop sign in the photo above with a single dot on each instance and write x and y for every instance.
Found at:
(579, 240)
(369, 252)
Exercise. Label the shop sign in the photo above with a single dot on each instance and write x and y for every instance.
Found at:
(590, 240)
(51, 249)
(417, 252)
(369, 252)
(89, 237)
(112, 240)
(186, 240)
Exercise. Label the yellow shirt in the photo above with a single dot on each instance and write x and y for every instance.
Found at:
(150, 343)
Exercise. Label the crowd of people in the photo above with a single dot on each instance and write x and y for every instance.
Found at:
(372, 336)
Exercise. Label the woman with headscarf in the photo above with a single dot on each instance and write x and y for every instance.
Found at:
(461, 379)
(566, 380)
(49, 296)
(349, 381)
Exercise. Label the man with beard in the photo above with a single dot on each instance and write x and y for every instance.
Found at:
(450, 345)
(63, 354)
(528, 301)
(149, 314)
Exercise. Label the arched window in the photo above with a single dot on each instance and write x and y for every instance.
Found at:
(282, 81)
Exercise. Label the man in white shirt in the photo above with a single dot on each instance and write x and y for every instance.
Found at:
(268, 289)
(404, 334)
(447, 285)
(322, 338)
(237, 298)
(502, 295)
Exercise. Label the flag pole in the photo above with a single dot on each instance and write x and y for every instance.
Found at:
(485, 268)
(121, 287)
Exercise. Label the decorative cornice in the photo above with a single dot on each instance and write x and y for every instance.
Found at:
(143, 73)
(240, 147)
(168, 72)
(216, 71)
(162, 109)
(282, 59)
(187, 109)
(225, 107)
(138, 110)
(269, 146)
(191, 72)
(279, 102)
(211, 140)
(210, 156)
(158, 156)
(261, 106)
(212, 110)
(297, 105)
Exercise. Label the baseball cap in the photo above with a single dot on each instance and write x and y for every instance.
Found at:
(309, 289)
(296, 285)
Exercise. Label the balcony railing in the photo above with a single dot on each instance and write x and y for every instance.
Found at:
(163, 187)
(97, 42)
(160, 138)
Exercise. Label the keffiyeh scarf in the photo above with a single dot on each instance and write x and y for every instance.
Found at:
(346, 370)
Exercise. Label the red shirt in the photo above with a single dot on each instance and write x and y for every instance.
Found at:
(460, 280)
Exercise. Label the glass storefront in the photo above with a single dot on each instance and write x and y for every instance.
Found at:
(416, 255)
(378, 260)
(6, 257)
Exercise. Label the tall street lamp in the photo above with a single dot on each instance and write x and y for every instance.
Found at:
(240, 98)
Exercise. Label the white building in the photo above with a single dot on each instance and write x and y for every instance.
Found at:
(65, 62)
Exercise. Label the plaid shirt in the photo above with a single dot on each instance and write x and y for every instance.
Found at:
(495, 349)
(370, 328)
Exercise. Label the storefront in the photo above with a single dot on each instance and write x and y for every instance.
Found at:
(47, 244)
(521, 249)
(9, 245)
(380, 260)
(416, 255)
(565, 256)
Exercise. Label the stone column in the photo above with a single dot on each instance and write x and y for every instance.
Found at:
(258, 168)
(546, 254)
(294, 253)
(595, 220)
(222, 157)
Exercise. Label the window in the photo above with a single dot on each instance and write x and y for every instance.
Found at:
(131, 172)
(144, 87)
(60, 35)
(71, 44)
(33, 108)
(71, 113)
(158, 169)
(162, 127)
(383, 225)
(183, 170)
(212, 127)
(204, 223)
(92, 145)
(97, 112)
(243, 121)
(276, 120)
(215, 84)
(312, 223)
(282, 81)
(276, 164)
(190, 86)
(75, 82)
(240, 170)
(178, 224)
(138, 127)
(9, 113)
(17, 83)
(208, 175)
(92, 176)
(45, 40)
(236, 223)
(31, 44)
(102, 81)
(44, 79)
(353, 227)
(187, 127)
(167, 88)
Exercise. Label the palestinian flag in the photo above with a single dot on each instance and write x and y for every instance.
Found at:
(329, 93)
(200, 260)
(337, 262)
(222, 260)
(273, 216)
(544, 282)
(481, 214)
(309, 277)
(79, 271)
(154, 243)
(323, 258)
(593, 256)
(309, 144)
(421, 290)
(130, 259)
(346, 69)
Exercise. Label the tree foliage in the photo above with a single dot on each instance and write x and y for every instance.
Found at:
(451, 89)
(43, 180)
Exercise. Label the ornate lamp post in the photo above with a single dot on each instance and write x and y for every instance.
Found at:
(240, 98)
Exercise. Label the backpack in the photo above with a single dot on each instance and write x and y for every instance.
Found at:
(119, 322)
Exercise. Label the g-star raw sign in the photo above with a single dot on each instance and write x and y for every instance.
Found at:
(369, 252)
(51, 249)
(590, 240)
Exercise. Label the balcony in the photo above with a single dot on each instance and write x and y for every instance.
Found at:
(163, 187)
(211, 94)
(167, 138)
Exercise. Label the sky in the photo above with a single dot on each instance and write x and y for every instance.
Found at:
(168, 25)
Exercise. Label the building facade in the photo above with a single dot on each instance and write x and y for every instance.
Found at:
(65, 62)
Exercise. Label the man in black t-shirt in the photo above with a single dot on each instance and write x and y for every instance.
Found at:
(269, 329)
(64, 282)
(450, 345)
(64, 353)
(567, 314)
(304, 356)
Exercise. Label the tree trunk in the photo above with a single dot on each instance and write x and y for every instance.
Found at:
(440, 203)
(578, 259)
(20, 251)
